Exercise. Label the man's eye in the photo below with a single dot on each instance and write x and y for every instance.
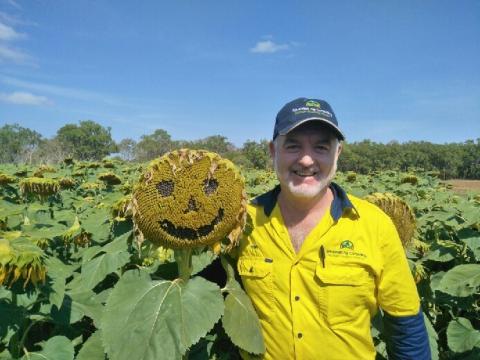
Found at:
(322, 147)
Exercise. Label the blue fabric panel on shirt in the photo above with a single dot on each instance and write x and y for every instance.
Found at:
(407, 337)
(340, 201)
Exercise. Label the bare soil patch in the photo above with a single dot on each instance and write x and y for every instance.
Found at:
(465, 186)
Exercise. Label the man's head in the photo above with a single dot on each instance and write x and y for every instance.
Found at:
(306, 147)
(303, 110)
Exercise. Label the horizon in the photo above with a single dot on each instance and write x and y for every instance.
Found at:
(239, 146)
(396, 71)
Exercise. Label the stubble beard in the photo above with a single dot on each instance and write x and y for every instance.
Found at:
(308, 191)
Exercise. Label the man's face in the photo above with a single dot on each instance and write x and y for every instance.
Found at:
(305, 159)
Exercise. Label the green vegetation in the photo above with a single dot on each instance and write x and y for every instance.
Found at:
(73, 268)
(91, 141)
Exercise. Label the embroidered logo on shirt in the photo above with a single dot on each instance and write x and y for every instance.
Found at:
(346, 244)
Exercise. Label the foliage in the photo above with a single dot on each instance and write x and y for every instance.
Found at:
(454, 160)
(17, 143)
(152, 146)
(257, 154)
(79, 283)
(86, 141)
(104, 285)
(90, 141)
(215, 143)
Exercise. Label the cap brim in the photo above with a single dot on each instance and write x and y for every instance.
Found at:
(326, 122)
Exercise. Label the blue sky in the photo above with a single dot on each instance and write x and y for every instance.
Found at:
(392, 70)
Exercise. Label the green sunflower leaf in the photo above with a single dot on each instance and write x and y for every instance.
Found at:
(158, 319)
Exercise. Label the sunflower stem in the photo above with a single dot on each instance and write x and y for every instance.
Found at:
(183, 257)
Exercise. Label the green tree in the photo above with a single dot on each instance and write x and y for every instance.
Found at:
(257, 153)
(17, 144)
(154, 145)
(87, 141)
(215, 143)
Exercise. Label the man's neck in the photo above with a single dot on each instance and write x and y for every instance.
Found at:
(302, 215)
(298, 208)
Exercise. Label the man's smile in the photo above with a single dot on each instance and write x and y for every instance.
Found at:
(305, 173)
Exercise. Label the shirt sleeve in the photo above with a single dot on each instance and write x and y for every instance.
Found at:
(404, 325)
(407, 337)
(397, 292)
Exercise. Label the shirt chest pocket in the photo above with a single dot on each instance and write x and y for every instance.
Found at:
(345, 294)
(257, 279)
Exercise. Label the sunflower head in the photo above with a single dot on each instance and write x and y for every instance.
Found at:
(20, 260)
(190, 198)
(110, 178)
(40, 187)
(400, 213)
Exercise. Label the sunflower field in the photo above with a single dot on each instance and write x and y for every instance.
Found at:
(77, 282)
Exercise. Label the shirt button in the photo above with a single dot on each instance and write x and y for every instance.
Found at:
(299, 335)
(297, 298)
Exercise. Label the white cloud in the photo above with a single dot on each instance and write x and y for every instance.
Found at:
(7, 53)
(8, 33)
(24, 98)
(55, 90)
(268, 47)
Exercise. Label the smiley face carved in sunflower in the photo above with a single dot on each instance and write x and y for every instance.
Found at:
(190, 198)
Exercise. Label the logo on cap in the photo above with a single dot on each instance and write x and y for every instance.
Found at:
(312, 103)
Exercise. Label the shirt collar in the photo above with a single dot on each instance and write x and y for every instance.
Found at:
(340, 202)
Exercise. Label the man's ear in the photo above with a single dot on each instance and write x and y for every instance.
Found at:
(271, 147)
(340, 148)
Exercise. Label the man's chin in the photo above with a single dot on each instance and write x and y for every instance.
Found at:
(306, 191)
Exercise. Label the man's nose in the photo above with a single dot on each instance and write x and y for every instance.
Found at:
(306, 159)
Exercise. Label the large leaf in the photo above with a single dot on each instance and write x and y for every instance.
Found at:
(472, 239)
(439, 254)
(202, 260)
(114, 257)
(96, 222)
(58, 272)
(240, 320)
(432, 338)
(56, 348)
(118, 244)
(98, 268)
(5, 355)
(241, 323)
(92, 349)
(462, 280)
(147, 320)
(462, 336)
(77, 304)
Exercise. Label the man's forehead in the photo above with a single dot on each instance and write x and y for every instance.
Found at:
(312, 128)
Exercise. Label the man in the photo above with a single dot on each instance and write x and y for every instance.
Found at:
(319, 263)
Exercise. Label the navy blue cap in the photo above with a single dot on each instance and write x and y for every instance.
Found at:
(301, 110)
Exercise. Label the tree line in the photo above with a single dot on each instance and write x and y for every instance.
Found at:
(90, 141)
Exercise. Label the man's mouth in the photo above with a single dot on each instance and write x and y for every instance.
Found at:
(305, 173)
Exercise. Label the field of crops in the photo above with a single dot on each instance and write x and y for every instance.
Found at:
(76, 282)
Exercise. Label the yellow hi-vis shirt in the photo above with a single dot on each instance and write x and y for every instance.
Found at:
(318, 303)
